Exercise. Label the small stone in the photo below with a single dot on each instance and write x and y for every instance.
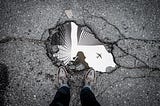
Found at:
(34, 96)
(69, 13)
(109, 69)
(55, 49)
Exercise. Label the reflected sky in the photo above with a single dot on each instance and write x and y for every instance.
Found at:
(96, 55)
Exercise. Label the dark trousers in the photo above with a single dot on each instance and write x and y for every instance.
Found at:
(62, 97)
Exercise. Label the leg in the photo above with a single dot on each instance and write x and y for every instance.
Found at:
(62, 97)
(88, 98)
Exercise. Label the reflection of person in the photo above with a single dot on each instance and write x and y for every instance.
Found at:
(62, 96)
(80, 60)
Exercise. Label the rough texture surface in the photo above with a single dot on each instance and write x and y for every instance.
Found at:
(130, 30)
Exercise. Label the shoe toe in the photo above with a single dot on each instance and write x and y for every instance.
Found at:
(91, 74)
(62, 72)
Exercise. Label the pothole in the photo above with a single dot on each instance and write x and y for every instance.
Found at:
(69, 41)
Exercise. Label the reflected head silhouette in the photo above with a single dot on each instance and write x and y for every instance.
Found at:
(81, 56)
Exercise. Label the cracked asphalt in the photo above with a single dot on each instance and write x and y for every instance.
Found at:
(130, 30)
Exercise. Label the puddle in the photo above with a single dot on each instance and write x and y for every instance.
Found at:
(71, 38)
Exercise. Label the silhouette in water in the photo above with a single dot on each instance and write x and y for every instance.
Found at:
(80, 61)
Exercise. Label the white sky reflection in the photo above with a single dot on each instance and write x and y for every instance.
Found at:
(90, 52)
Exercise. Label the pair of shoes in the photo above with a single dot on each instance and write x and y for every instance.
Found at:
(89, 78)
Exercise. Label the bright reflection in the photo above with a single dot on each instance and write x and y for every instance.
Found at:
(96, 56)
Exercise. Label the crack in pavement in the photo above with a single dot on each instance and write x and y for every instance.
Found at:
(122, 35)
(116, 43)
(107, 22)
(146, 66)
(142, 40)
(131, 55)
(122, 38)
